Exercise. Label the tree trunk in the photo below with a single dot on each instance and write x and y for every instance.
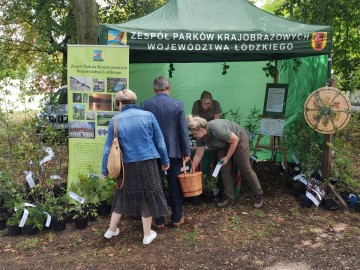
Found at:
(86, 21)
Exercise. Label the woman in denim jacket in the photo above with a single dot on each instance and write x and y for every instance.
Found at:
(141, 143)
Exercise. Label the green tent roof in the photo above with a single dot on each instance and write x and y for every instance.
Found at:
(214, 31)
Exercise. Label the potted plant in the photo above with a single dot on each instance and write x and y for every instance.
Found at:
(3, 218)
(106, 195)
(331, 203)
(10, 196)
(210, 185)
(55, 206)
(81, 215)
(12, 224)
(88, 188)
(35, 220)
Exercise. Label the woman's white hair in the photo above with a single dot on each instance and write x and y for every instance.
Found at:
(196, 122)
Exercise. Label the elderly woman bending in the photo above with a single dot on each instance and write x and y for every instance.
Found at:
(141, 143)
(232, 145)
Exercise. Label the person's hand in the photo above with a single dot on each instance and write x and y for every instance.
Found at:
(165, 167)
(104, 176)
(224, 161)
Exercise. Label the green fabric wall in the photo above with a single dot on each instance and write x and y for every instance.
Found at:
(311, 75)
(243, 86)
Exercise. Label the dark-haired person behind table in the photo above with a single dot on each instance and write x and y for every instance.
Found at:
(206, 107)
(232, 145)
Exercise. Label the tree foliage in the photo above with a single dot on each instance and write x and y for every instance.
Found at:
(34, 34)
(117, 11)
(343, 16)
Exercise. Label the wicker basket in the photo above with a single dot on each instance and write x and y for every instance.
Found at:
(191, 182)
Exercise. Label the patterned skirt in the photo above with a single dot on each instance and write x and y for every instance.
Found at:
(142, 193)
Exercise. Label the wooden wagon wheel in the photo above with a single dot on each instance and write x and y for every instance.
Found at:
(327, 110)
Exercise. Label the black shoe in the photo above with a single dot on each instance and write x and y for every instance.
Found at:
(225, 203)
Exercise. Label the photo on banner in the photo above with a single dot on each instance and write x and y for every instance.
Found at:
(95, 74)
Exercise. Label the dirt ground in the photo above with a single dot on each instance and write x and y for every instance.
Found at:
(280, 236)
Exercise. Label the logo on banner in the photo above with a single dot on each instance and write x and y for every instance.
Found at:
(116, 37)
(98, 55)
(318, 40)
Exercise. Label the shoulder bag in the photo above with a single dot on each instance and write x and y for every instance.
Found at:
(115, 164)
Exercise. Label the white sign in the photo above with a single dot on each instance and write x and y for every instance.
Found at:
(272, 127)
(48, 219)
(217, 169)
(24, 218)
(30, 179)
(301, 178)
(76, 197)
(312, 198)
(275, 100)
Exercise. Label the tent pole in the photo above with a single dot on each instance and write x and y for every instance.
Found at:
(329, 65)
(328, 137)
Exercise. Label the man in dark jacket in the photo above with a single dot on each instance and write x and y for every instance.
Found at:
(170, 115)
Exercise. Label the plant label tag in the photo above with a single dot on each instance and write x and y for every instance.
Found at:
(94, 175)
(30, 179)
(283, 165)
(295, 159)
(217, 169)
(55, 177)
(76, 197)
(318, 193)
(254, 158)
(312, 198)
(186, 167)
(48, 157)
(24, 218)
(29, 204)
(300, 177)
(48, 219)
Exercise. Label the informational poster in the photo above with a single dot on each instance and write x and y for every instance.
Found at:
(95, 74)
(275, 100)
(272, 127)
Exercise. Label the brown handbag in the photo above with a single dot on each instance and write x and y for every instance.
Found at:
(191, 182)
(115, 164)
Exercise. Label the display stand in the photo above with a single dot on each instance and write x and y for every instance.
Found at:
(275, 129)
(273, 121)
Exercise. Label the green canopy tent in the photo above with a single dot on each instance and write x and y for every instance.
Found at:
(198, 36)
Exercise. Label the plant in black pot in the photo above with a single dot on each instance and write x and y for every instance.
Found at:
(106, 195)
(81, 215)
(88, 190)
(11, 195)
(331, 203)
(55, 206)
(210, 184)
(12, 223)
(35, 220)
(3, 218)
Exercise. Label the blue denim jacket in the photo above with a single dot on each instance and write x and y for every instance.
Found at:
(139, 134)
